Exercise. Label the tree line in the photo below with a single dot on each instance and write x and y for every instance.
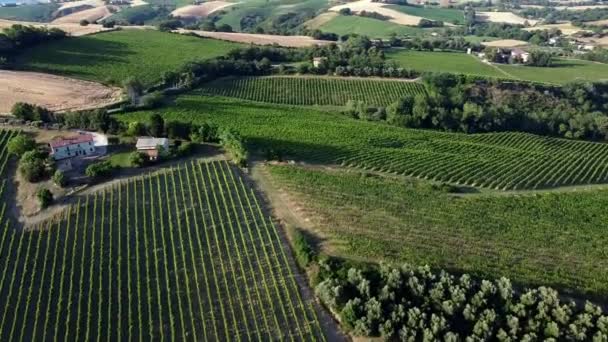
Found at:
(466, 104)
(19, 37)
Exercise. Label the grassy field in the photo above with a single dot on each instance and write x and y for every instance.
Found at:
(564, 71)
(373, 28)
(114, 56)
(453, 62)
(313, 90)
(186, 254)
(555, 239)
(268, 11)
(496, 161)
(35, 12)
(447, 15)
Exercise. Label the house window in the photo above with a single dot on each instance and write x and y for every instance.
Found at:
(91, 149)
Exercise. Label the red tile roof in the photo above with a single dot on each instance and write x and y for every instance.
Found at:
(78, 139)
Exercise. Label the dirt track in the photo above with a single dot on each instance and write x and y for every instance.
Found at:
(259, 39)
(54, 92)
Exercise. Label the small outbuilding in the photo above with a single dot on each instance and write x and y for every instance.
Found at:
(152, 147)
(520, 55)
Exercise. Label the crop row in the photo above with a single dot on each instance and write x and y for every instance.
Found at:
(313, 90)
(186, 254)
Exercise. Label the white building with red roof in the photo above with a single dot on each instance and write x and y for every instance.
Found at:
(82, 144)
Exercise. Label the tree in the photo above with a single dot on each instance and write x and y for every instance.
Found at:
(20, 144)
(45, 197)
(84, 22)
(397, 113)
(345, 11)
(134, 88)
(157, 125)
(136, 128)
(32, 167)
(59, 178)
(224, 28)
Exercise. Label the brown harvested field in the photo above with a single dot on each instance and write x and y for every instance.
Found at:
(91, 15)
(603, 42)
(76, 4)
(72, 29)
(54, 92)
(259, 39)
(506, 43)
(202, 10)
(368, 5)
(598, 22)
(503, 17)
(567, 28)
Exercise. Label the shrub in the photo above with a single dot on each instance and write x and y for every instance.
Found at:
(185, 149)
(20, 144)
(108, 24)
(84, 22)
(59, 178)
(45, 197)
(345, 11)
(303, 251)
(99, 170)
(235, 146)
(136, 128)
(32, 167)
(138, 159)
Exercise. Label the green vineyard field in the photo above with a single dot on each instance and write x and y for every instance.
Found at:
(548, 238)
(185, 254)
(5, 136)
(501, 161)
(313, 90)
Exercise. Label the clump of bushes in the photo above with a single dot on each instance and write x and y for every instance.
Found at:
(30, 112)
(59, 178)
(100, 169)
(32, 166)
(45, 197)
(235, 146)
(415, 303)
(138, 159)
(20, 144)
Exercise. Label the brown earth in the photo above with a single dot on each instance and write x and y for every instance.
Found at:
(505, 43)
(504, 17)
(54, 92)
(74, 30)
(202, 10)
(259, 39)
(91, 15)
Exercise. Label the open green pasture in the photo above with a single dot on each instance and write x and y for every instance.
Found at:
(114, 56)
(448, 15)
(374, 28)
(555, 239)
(502, 161)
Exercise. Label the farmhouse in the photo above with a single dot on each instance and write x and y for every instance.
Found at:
(520, 55)
(69, 147)
(152, 147)
(317, 61)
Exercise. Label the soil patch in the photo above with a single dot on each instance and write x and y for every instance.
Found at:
(54, 92)
(91, 15)
(202, 10)
(259, 39)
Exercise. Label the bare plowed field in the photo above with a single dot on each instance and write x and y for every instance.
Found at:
(54, 92)
(259, 39)
(202, 10)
